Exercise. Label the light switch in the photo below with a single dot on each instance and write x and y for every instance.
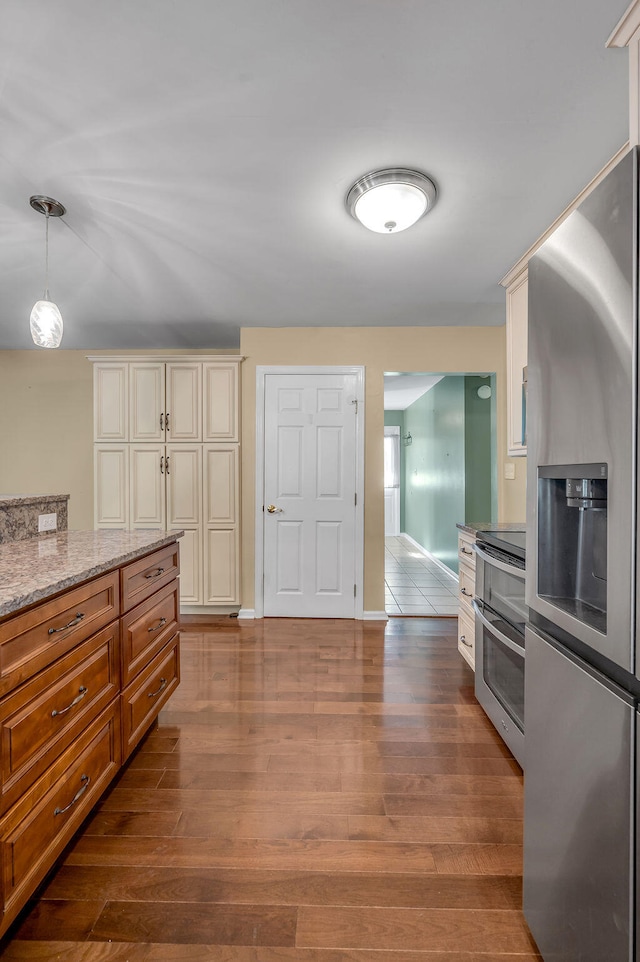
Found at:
(509, 471)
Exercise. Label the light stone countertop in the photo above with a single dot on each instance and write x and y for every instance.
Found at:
(34, 569)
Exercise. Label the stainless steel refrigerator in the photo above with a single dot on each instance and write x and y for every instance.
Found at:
(581, 676)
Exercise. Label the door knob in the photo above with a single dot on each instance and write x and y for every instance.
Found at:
(273, 510)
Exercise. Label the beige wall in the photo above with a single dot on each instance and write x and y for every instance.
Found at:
(426, 349)
(46, 435)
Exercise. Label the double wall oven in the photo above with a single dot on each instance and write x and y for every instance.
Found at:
(501, 616)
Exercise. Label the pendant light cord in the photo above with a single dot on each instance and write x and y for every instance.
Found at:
(46, 257)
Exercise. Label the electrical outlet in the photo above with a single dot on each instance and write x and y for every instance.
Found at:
(48, 522)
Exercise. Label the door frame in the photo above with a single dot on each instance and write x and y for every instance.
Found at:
(262, 372)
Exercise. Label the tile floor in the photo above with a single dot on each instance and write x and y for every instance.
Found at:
(414, 583)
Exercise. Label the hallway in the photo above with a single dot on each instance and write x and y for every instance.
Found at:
(316, 791)
(415, 584)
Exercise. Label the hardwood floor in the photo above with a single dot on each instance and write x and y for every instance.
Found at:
(315, 791)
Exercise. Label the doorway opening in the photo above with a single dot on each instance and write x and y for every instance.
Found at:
(440, 469)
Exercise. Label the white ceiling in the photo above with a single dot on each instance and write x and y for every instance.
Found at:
(203, 149)
(401, 390)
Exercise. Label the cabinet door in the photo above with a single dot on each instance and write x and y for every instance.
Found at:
(191, 577)
(111, 485)
(517, 314)
(183, 405)
(110, 401)
(221, 534)
(146, 401)
(221, 484)
(221, 407)
(184, 510)
(221, 566)
(147, 497)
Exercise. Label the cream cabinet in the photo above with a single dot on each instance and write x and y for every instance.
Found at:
(166, 455)
(467, 583)
(516, 331)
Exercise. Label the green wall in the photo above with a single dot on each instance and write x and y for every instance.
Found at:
(448, 472)
(434, 469)
(477, 450)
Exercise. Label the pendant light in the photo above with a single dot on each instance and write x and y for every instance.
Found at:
(390, 200)
(46, 320)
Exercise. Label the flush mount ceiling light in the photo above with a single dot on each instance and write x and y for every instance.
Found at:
(390, 200)
(46, 320)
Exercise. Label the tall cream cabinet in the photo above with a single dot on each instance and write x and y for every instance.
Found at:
(166, 455)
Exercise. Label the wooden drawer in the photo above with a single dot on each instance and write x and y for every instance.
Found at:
(144, 698)
(141, 578)
(147, 628)
(32, 640)
(467, 586)
(38, 827)
(42, 717)
(467, 639)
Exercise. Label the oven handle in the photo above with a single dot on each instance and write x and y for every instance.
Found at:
(490, 560)
(519, 650)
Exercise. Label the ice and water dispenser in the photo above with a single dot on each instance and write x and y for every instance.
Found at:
(572, 540)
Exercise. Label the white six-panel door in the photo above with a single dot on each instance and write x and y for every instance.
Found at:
(310, 487)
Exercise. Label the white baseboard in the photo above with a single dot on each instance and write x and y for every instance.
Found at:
(430, 556)
(248, 614)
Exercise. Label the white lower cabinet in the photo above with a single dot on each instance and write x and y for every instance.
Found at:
(467, 585)
(193, 487)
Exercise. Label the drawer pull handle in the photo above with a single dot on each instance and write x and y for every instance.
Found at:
(155, 574)
(465, 642)
(166, 420)
(162, 622)
(465, 551)
(85, 785)
(162, 422)
(163, 685)
(74, 621)
(463, 591)
(82, 691)
(161, 465)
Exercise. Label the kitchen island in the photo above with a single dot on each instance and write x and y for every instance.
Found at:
(89, 654)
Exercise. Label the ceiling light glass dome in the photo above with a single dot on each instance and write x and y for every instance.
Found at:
(390, 200)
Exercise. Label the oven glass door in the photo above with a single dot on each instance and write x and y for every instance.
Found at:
(502, 587)
(503, 673)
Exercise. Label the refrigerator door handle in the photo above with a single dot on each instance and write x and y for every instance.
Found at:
(509, 569)
(519, 650)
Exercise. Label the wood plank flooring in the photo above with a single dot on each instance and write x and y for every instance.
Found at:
(315, 791)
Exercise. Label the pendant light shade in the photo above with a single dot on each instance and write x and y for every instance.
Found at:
(46, 324)
(390, 200)
(46, 320)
